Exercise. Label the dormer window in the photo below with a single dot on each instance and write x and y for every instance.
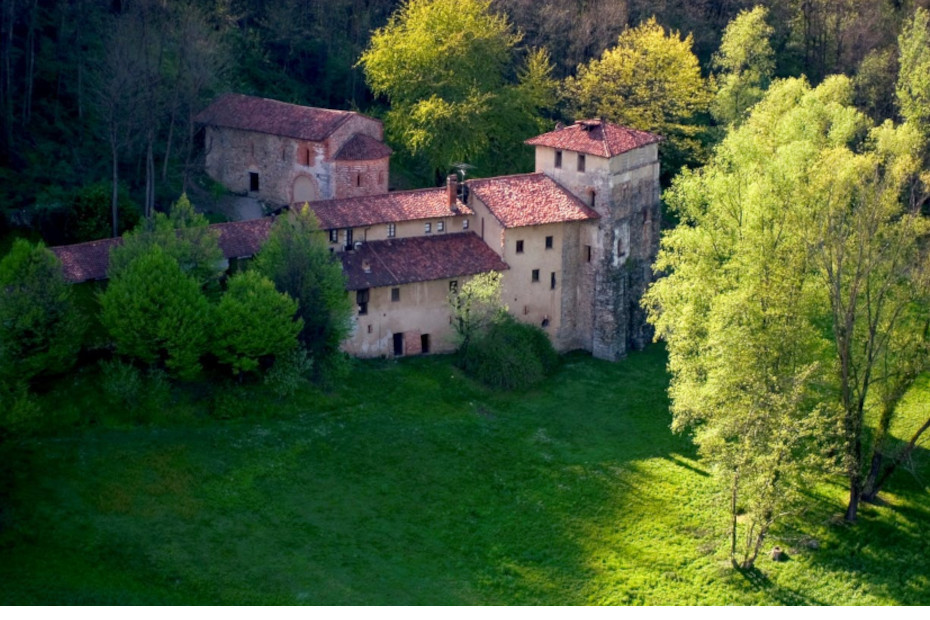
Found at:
(558, 159)
(580, 162)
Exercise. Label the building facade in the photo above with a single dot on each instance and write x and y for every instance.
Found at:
(574, 240)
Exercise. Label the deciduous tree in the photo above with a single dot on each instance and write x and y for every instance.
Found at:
(295, 257)
(443, 66)
(40, 327)
(156, 313)
(651, 81)
(746, 63)
(253, 321)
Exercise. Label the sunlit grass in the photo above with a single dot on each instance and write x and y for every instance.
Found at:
(414, 485)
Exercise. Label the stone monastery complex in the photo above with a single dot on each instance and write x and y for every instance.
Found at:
(574, 240)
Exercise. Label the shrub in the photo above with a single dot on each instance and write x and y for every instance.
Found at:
(509, 355)
(289, 372)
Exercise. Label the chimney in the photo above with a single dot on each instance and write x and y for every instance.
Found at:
(452, 192)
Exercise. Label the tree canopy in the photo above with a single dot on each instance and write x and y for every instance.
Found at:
(156, 313)
(795, 268)
(295, 257)
(649, 80)
(40, 327)
(746, 63)
(444, 66)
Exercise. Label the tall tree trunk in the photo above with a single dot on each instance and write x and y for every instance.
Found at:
(873, 486)
(30, 63)
(149, 177)
(6, 85)
(114, 197)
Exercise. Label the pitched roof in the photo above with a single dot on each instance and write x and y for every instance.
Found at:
(529, 200)
(86, 261)
(241, 239)
(272, 117)
(418, 259)
(595, 137)
(362, 148)
(89, 261)
(419, 204)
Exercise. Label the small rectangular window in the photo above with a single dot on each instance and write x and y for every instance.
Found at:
(552, 280)
(580, 162)
(440, 226)
(520, 246)
(549, 242)
(392, 230)
(465, 224)
(535, 277)
(558, 159)
(369, 329)
(395, 294)
(253, 181)
(361, 299)
(427, 228)
(453, 286)
(358, 180)
(334, 235)
(588, 252)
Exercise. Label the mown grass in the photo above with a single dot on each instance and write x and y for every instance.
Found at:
(413, 485)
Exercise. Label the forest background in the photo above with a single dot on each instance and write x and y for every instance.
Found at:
(97, 93)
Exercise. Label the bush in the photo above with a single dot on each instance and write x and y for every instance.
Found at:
(509, 355)
(128, 389)
(289, 372)
(20, 413)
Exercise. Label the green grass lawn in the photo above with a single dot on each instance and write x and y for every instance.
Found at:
(412, 485)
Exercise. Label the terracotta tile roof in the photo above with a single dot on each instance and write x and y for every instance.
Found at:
(242, 239)
(419, 204)
(418, 259)
(85, 261)
(89, 261)
(272, 117)
(529, 200)
(595, 137)
(363, 148)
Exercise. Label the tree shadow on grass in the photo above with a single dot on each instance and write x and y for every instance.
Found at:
(760, 582)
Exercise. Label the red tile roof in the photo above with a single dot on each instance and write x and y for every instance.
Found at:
(419, 204)
(418, 259)
(89, 261)
(529, 200)
(595, 137)
(362, 148)
(85, 261)
(272, 117)
(242, 239)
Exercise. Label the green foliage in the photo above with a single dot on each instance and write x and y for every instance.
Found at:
(184, 235)
(875, 83)
(509, 355)
(476, 306)
(156, 313)
(913, 85)
(766, 254)
(90, 211)
(746, 62)
(20, 411)
(129, 390)
(651, 81)
(253, 321)
(40, 327)
(296, 258)
(289, 372)
(442, 65)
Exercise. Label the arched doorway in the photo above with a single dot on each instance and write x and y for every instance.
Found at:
(304, 190)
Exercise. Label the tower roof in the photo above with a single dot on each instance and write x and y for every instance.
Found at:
(595, 137)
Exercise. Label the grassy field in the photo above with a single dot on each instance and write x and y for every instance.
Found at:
(412, 485)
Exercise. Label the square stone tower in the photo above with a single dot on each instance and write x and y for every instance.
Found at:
(615, 170)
